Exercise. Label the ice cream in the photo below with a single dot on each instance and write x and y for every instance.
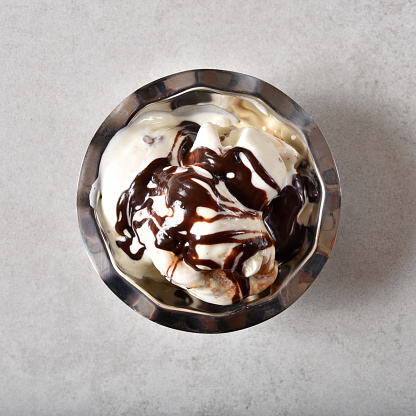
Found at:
(203, 199)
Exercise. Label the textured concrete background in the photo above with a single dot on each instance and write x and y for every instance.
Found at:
(69, 346)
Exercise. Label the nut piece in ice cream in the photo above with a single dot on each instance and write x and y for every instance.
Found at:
(202, 199)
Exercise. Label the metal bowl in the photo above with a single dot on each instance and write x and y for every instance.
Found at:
(173, 307)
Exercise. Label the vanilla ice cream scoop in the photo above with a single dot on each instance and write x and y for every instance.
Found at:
(194, 229)
(196, 197)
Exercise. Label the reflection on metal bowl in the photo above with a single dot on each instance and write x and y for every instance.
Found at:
(165, 303)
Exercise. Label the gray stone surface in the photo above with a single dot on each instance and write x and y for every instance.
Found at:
(69, 346)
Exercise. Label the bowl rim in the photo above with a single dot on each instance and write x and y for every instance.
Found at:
(237, 316)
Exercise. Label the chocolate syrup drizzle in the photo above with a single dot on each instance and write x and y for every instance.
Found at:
(239, 182)
(185, 188)
(280, 217)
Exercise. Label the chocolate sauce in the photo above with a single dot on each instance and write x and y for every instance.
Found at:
(185, 188)
(128, 203)
(280, 217)
(239, 182)
(187, 135)
(243, 284)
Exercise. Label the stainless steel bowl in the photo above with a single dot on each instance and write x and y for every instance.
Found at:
(166, 304)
